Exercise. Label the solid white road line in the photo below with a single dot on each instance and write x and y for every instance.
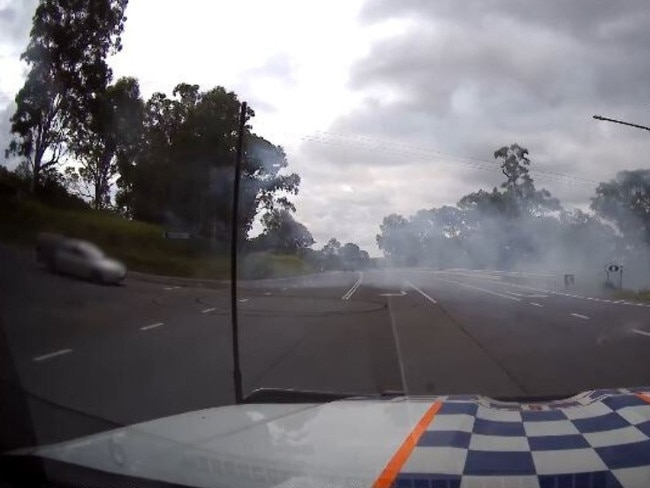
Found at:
(536, 304)
(398, 348)
(484, 290)
(51, 355)
(152, 326)
(432, 300)
(208, 310)
(641, 332)
(580, 316)
(354, 288)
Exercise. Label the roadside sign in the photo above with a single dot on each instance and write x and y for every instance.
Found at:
(176, 235)
(614, 269)
(569, 280)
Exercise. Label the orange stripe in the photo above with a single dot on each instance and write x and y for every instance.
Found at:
(643, 397)
(392, 469)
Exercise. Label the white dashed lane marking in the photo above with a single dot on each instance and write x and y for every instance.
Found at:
(641, 332)
(580, 316)
(168, 288)
(535, 304)
(208, 310)
(151, 326)
(243, 300)
(484, 290)
(51, 355)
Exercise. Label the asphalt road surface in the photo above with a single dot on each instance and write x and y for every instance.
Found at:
(87, 358)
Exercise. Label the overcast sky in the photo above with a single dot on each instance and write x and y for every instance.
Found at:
(393, 106)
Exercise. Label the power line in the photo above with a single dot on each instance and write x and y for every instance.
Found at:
(389, 147)
(430, 151)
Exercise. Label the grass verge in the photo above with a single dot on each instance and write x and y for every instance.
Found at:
(637, 296)
(138, 244)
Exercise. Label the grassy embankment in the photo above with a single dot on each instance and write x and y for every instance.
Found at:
(635, 296)
(140, 245)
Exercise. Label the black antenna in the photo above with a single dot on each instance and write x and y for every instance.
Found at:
(233, 257)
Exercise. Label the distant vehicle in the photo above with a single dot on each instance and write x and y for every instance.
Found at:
(78, 258)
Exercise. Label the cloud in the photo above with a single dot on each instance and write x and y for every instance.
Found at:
(415, 95)
(465, 78)
(7, 108)
(15, 21)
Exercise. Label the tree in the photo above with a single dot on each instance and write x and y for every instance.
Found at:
(111, 140)
(53, 190)
(517, 196)
(69, 42)
(332, 247)
(625, 201)
(441, 233)
(283, 233)
(398, 240)
(520, 194)
(183, 174)
(503, 222)
(330, 254)
(498, 228)
(353, 257)
(585, 240)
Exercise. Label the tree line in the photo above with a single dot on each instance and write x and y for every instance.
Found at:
(517, 225)
(167, 160)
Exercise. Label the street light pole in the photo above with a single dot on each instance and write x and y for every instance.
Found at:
(607, 119)
(636, 126)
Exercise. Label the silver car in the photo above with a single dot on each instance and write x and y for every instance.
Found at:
(86, 260)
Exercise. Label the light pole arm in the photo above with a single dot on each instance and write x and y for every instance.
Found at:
(607, 119)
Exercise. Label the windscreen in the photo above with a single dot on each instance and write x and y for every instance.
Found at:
(434, 198)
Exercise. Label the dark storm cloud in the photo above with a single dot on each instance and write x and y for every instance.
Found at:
(465, 78)
(510, 67)
(583, 18)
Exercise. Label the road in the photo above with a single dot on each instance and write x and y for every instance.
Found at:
(92, 357)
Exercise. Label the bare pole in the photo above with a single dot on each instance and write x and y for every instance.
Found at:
(237, 380)
(607, 119)
(629, 124)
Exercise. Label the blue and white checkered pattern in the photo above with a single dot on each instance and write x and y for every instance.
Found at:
(599, 439)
